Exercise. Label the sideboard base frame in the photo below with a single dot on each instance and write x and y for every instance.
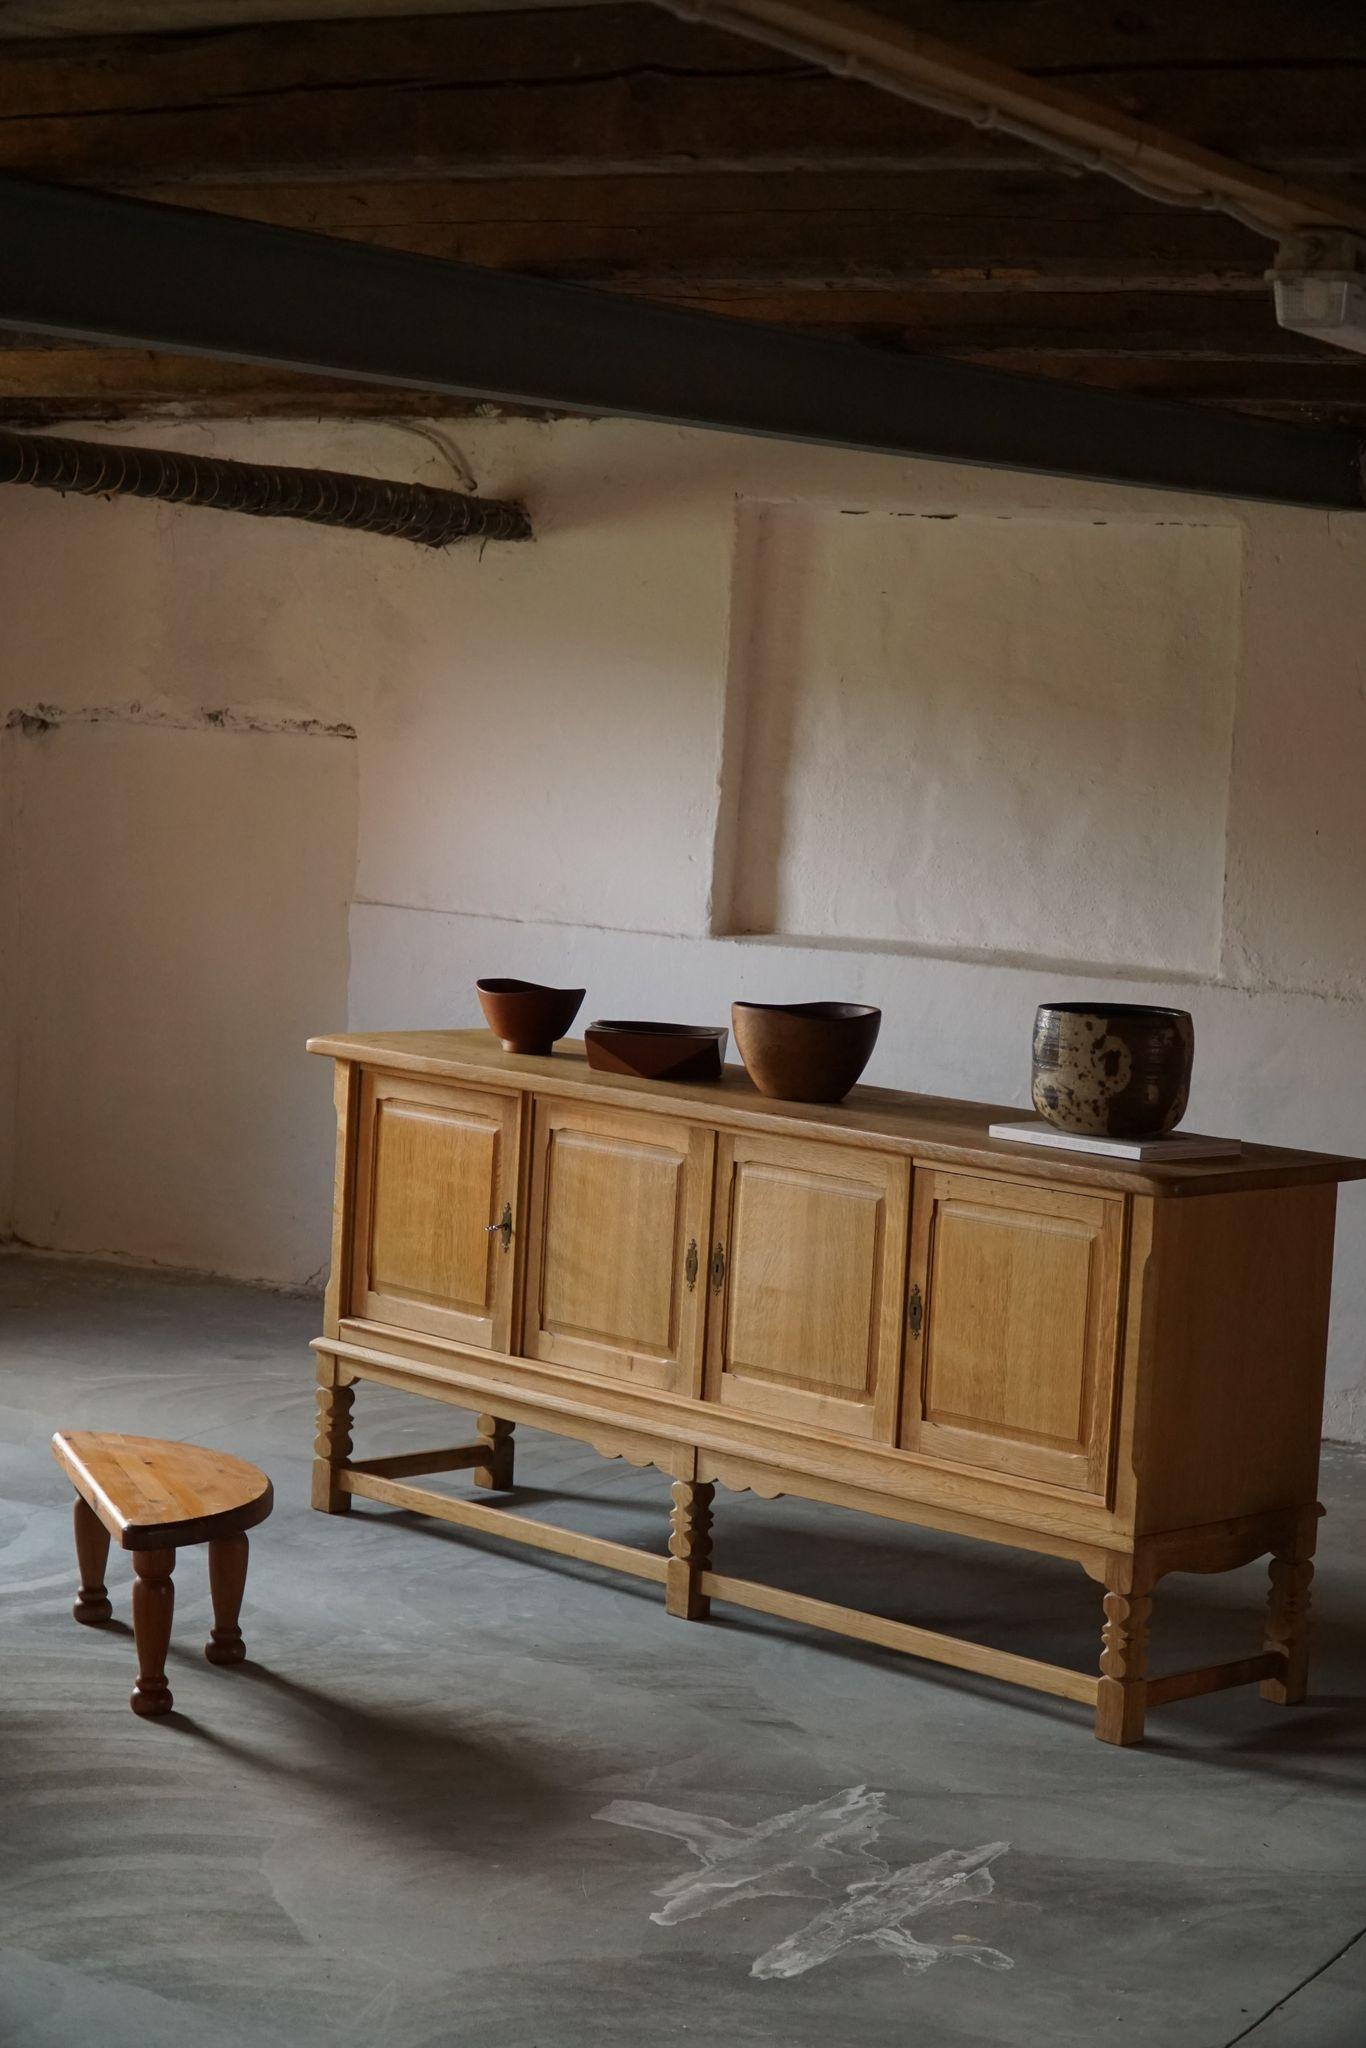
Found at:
(1121, 1693)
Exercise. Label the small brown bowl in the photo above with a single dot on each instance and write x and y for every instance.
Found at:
(805, 1052)
(656, 1052)
(527, 1017)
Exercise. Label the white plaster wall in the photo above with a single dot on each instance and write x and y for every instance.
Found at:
(1295, 901)
(183, 902)
(1007, 734)
(9, 992)
(552, 752)
(179, 867)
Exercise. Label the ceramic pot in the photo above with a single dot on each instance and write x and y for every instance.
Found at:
(805, 1052)
(656, 1052)
(1118, 1070)
(525, 1016)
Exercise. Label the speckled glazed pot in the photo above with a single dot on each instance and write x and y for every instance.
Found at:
(805, 1052)
(1120, 1070)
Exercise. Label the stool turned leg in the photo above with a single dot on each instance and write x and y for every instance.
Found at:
(689, 1549)
(92, 1553)
(227, 1583)
(497, 1435)
(153, 1606)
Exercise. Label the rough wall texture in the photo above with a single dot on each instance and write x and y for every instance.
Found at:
(9, 989)
(576, 760)
(184, 899)
(1005, 734)
(178, 834)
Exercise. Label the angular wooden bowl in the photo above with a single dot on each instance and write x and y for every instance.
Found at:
(805, 1052)
(656, 1052)
(527, 1017)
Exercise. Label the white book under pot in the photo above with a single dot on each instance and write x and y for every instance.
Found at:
(1176, 1149)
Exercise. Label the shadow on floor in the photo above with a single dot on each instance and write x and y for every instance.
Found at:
(424, 1770)
(1039, 1606)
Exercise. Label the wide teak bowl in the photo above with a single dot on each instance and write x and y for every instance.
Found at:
(1116, 1070)
(805, 1052)
(656, 1052)
(527, 1017)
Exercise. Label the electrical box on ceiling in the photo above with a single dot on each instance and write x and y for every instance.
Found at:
(1319, 282)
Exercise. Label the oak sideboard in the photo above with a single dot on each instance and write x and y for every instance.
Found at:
(874, 1305)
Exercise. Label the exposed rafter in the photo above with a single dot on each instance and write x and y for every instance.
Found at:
(86, 267)
(854, 43)
(617, 147)
(625, 90)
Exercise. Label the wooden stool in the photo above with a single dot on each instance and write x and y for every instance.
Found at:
(154, 1497)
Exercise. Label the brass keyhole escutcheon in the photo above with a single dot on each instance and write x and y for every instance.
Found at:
(690, 1264)
(916, 1310)
(503, 1227)
(718, 1269)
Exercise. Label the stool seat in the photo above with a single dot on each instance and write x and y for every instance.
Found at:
(155, 1497)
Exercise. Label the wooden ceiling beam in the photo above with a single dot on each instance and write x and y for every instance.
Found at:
(40, 383)
(1028, 33)
(568, 93)
(906, 64)
(50, 20)
(617, 148)
(1039, 232)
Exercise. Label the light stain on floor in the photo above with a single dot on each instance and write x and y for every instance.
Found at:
(815, 1852)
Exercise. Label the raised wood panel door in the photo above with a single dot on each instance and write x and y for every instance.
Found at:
(618, 1233)
(1014, 1328)
(436, 1209)
(806, 1319)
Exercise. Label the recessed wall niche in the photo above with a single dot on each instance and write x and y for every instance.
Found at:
(983, 734)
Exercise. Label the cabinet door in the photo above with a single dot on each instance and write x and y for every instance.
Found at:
(806, 1320)
(1014, 1327)
(437, 1174)
(619, 1207)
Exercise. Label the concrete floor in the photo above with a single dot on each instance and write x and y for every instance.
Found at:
(386, 1828)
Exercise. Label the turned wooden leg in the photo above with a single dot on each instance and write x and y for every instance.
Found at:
(1287, 1617)
(332, 1446)
(1122, 1696)
(153, 1606)
(227, 1583)
(92, 1553)
(689, 1549)
(497, 1434)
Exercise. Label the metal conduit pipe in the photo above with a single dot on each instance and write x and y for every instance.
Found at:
(412, 512)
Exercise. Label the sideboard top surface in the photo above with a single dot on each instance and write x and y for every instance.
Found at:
(934, 1128)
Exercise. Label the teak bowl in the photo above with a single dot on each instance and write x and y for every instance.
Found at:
(1116, 1070)
(525, 1016)
(656, 1052)
(805, 1052)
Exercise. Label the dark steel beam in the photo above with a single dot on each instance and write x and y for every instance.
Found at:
(87, 267)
